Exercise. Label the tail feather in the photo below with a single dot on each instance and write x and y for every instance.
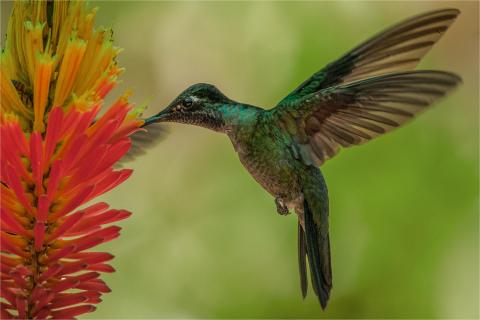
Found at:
(318, 252)
(302, 263)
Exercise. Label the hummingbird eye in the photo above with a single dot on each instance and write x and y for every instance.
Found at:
(188, 102)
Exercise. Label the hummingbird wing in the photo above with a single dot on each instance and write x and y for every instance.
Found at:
(354, 113)
(399, 48)
(143, 140)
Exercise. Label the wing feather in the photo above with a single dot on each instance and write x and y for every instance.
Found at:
(354, 113)
(399, 48)
(143, 140)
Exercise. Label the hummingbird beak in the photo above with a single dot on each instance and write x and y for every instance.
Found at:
(159, 117)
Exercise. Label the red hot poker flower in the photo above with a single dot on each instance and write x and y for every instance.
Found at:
(46, 265)
(56, 156)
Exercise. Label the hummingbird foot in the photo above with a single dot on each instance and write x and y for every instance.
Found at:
(281, 207)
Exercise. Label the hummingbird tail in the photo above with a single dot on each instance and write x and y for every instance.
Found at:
(318, 252)
(302, 263)
(316, 237)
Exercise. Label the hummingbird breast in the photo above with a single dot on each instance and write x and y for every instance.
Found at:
(269, 160)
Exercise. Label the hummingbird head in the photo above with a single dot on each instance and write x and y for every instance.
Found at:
(201, 105)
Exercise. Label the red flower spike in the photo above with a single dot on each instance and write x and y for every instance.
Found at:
(55, 160)
(50, 203)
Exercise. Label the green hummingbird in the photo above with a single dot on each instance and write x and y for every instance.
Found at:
(367, 92)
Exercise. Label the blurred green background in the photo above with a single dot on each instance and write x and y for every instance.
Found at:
(205, 240)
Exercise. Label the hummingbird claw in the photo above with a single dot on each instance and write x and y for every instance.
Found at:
(281, 207)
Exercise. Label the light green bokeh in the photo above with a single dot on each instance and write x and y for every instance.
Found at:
(205, 241)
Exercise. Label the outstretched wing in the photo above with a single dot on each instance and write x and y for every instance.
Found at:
(351, 114)
(396, 49)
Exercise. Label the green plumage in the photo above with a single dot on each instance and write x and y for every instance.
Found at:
(367, 92)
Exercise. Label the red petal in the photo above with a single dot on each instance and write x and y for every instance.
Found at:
(86, 169)
(96, 257)
(14, 183)
(68, 223)
(43, 206)
(39, 233)
(72, 267)
(60, 253)
(8, 295)
(118, 111)
(9, 261)
(71, 152)
(100, 137)
(86, 277)
(24, 271)
(53, 131)
(21, 307)
(63, 285)
(8, 219)
(68, 301)
(115, 152)
(76, 201)
(97, 220)
(37, 292)
(68, 313)
(95, 209)
(101, 267)
(94, 300)
(43, 314)
(11, 248)
(4, 313)
(19, 280)
(36, 156)
(95, 285)
(52, 271)
(88, 294)
(19, 138)
(111, 181)
(10, 154)
(42, 302)
(54, 178)
(89, 243)
(100, 234)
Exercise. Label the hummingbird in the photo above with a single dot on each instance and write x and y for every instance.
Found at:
(366, 93)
